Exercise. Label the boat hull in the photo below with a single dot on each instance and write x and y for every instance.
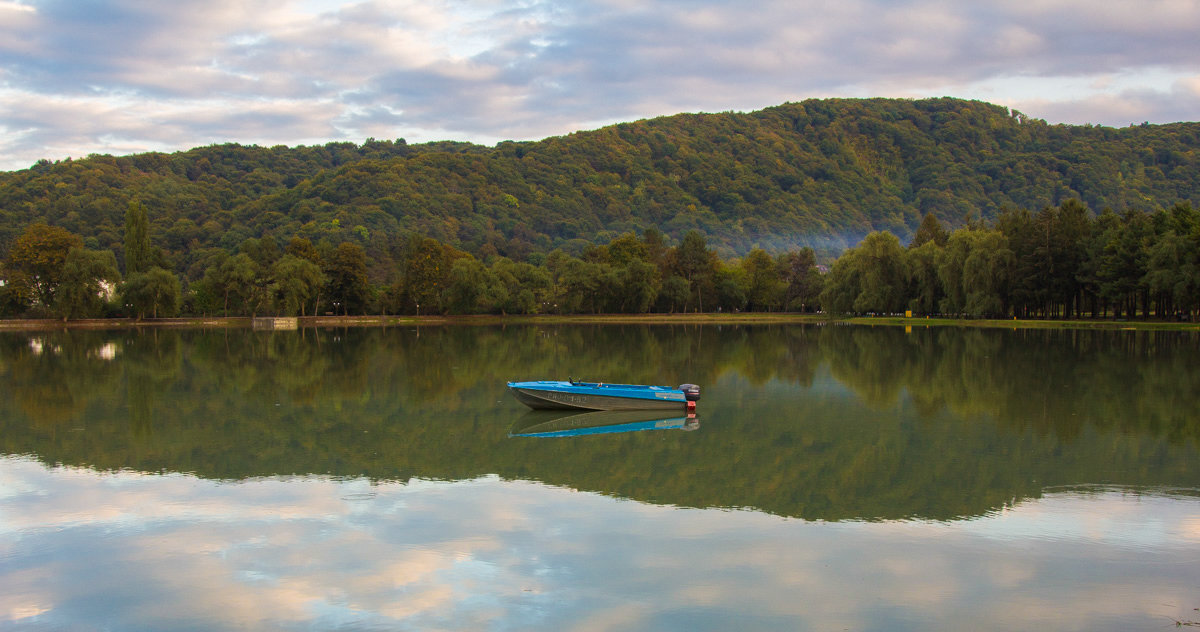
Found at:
(566, 396)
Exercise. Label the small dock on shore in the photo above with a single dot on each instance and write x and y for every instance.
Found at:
(275, 323)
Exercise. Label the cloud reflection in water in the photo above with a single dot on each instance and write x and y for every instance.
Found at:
(136, 551)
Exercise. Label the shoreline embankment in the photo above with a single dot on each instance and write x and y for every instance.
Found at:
(587, 319)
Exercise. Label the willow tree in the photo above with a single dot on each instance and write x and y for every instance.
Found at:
(295, 283)
(473, 288)
(87, 277)
(976, 270)
(155, 292)
(987, 274)
(924, 286)
(871, 277)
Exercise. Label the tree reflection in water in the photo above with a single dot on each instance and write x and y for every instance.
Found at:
(829, 423)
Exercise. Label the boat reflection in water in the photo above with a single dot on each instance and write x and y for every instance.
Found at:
(556, 424)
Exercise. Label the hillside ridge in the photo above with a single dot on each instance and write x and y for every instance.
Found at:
(821, 173)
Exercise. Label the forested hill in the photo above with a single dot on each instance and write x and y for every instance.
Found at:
(819, 173)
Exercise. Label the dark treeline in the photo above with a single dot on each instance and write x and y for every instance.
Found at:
(822, 173)
(49, 272)
(1061, 262)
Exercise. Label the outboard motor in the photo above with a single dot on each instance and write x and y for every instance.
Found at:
(691, 392)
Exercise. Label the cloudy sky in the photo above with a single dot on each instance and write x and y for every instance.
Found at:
(124, 76)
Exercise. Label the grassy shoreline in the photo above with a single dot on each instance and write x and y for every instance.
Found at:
(598, 319)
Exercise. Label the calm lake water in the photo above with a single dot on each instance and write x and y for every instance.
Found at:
(835, 478)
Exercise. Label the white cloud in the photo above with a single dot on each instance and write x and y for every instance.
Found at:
(492, 69)
(1119, 106)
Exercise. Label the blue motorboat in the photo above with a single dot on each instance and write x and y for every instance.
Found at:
(604, 396)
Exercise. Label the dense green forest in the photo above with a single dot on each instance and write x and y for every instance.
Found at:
(1060, 262)
(820, 173)
(817, 422)
(386, 226)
